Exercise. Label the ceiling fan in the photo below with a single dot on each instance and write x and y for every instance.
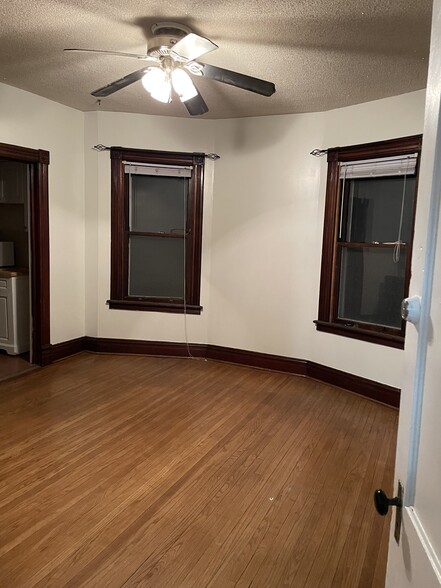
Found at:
(172, 51)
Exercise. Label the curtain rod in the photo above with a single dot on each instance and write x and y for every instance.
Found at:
(101, 147)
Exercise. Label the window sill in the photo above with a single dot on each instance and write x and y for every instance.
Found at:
(154, 306)
(396, 341)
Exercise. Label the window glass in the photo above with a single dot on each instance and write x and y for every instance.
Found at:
(156, 267)
(371, 285)
(157, 203)
(376, 208)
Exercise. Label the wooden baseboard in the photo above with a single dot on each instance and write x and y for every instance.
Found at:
(368, 388)
(265, 361)
(66, 348)
(137, 347)
(363, 386)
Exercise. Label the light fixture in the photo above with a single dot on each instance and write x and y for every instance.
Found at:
(157, 83)
(182, 85)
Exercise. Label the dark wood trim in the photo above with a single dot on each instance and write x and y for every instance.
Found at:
(259, 360)
(67, 348)
(369, 388)
(355, 332)
(176, 307)
(388, 148)
(329, 274)
(120, 229)
(363, 386)
(137, 347)
(117, 227)
(39, 245)
(329, 231)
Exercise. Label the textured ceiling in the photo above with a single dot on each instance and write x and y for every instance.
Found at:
(321, 54)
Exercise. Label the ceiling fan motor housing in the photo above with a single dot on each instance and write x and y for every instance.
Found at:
(165, 35)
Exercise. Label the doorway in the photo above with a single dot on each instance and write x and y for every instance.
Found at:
(36, 163)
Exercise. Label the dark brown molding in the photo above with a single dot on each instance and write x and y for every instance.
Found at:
(259, 360)
(68, 348)
(357, 333)
(38, 159)
(327, 319)
(134, 346)
(121, 233)
(368, 388)
(388, 148)
(154, 306)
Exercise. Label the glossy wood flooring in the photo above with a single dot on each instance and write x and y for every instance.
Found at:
(159, 472)
(13, 365)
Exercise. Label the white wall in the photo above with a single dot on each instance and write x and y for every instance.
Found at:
(30, 121)
(262, 231)
(267, 232)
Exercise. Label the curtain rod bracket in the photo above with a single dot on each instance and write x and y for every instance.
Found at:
(318, 152)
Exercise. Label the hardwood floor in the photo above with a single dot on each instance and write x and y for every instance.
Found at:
(13, 365)
(158, 472)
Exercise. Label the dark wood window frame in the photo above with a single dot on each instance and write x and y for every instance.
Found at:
(327, 313)
(119, 298)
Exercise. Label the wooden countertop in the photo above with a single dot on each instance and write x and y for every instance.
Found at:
(13, 272)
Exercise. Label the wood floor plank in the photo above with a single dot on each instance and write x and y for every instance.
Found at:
(207, 477)
(91, 485)
(160, 472)
(297, 532)
(259, 479)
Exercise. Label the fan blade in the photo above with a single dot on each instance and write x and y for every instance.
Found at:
(118, 53)
(119, 84)
(196, 105)
(236, 79)
(193, 46)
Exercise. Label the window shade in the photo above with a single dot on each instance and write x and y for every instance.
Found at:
(157, 170)
(385, 166)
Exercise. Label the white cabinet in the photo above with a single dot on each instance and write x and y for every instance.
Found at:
(14, 314)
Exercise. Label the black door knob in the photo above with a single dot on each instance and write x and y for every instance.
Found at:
(382, 502)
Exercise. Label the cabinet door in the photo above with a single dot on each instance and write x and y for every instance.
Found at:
(4, 327)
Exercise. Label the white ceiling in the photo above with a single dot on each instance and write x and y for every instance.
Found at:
(321, 54)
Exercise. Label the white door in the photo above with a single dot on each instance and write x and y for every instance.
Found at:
(415, 561)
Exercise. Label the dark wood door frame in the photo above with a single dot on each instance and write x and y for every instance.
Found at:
(38, 161)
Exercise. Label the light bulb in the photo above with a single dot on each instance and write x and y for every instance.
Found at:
(183, 85)
(157, 83)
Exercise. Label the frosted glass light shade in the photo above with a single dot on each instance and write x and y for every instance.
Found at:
(157, 83)
(182, 84)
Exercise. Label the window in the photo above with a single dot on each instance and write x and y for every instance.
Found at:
(156, 228)
(367, 239)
